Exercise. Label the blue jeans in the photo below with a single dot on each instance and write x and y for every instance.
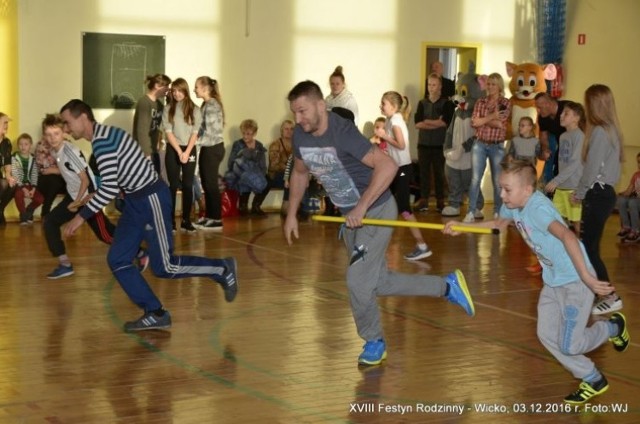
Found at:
(479, 155)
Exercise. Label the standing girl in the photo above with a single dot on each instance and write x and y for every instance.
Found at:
(181, 122)
(396, 135)
(570, 145)
(211, 151)
(340, 96)
(602, 154)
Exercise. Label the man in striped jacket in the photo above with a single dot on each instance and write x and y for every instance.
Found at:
(146, 216)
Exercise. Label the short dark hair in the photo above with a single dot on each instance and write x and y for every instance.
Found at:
(52, 120)
(77, 107)
(344, 113)
(305, 88)
(546, 96)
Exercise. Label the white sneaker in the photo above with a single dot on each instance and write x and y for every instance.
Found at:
(418, 254)
(477, 214)
(450, 211)
(469, 218)
(200, 222)
(607, 304)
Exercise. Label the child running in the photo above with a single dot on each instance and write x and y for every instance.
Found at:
(396, 135)
(80, 183)
(569, 279)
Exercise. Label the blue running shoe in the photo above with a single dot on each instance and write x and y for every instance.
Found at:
(373, 353)
(459, 293)
(60, 271)
(229, 279)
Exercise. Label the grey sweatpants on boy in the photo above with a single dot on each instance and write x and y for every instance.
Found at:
(563, 313)
(368, 277)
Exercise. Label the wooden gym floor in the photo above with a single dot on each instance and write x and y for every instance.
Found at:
(285, 351)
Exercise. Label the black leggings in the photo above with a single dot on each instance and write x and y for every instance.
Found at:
(184, 182)
(597, 206)
(6, 194)
(209, 164)
(50, 185)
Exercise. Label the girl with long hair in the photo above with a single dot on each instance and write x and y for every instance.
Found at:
(181, 122)
(211, 144)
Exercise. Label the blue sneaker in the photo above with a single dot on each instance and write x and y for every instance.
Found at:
(373, 353)
(60, 272)
(229, 279)
(459, 293)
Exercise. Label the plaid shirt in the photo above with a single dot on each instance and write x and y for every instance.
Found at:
(482, 109)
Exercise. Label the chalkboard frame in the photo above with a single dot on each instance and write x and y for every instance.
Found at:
(114, 67)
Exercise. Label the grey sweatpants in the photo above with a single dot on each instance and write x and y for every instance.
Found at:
(368, 278)
(563, 313)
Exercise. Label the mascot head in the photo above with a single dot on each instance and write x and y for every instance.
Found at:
(469, 88)
(528, 79)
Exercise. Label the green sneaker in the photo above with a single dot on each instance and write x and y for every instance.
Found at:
(586, 391)
(621, 340)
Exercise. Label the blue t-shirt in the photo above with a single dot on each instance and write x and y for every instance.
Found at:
(533, 222)
(335, 159)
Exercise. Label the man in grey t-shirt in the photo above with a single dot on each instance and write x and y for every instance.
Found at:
(356, 175)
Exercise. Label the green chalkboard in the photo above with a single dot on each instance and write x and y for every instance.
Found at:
(114, 67)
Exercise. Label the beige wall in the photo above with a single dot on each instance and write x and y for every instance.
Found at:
(258, 53)
(607, 57)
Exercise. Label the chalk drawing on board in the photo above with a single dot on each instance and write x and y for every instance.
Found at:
(128, 71)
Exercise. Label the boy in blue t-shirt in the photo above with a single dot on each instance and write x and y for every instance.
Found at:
(567, 296)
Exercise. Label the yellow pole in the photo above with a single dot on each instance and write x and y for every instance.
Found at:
(425, 225)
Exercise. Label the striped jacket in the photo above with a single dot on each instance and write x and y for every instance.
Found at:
(17, 170)
(122, 166)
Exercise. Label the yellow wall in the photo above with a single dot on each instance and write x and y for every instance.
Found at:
(9, 64)
(9, 73)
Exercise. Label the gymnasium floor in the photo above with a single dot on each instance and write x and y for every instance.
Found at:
(285, 351)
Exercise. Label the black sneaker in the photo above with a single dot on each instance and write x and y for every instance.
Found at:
(229, 279)
(149, 321)
(621, 340)
(188, 227)
(586, 391)
(212, 225)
